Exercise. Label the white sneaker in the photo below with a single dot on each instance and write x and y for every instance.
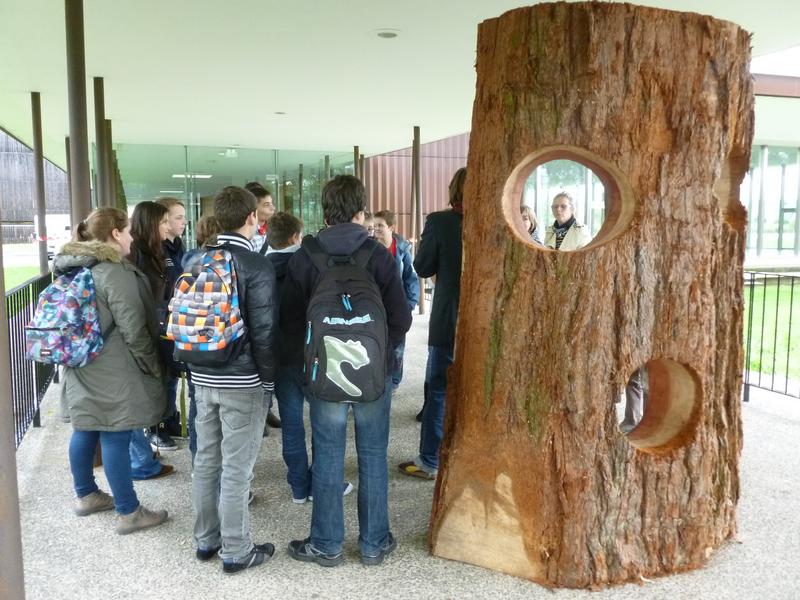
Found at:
(346, 489)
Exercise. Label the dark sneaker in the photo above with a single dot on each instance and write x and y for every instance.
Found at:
(173, 429)
(161, 442)
(387, 548)
(206, 554)
(273, 420)
(260, 554)
(303, 550)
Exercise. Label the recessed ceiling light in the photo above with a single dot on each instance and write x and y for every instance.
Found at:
(387, 34)
(279, 112)
(192, 175)
(170, 191)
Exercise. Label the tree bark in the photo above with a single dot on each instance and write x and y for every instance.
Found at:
(535, 477)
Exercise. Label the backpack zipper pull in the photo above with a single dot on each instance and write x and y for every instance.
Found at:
(308, 333)
(314, 370)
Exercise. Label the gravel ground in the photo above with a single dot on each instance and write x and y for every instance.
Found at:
(67, 557)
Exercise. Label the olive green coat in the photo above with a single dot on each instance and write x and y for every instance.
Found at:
(123, 388)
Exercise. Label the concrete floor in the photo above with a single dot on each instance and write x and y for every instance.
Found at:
(67, 557)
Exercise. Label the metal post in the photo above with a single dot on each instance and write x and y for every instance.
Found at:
(38, 174)
(300, 190)
(111, 164)
(102, 163)
(761, 200)
(416, 227)
(356, 154)
(327, 168)
(781, 207)
(12, 581)
(797, 209)
(80, 186)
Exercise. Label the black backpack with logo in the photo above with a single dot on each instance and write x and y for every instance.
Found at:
(347, 337)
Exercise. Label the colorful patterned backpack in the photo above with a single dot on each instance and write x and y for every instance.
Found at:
(204, 317)
(65, 329)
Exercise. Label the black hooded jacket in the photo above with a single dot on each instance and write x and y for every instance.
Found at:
(343, 239)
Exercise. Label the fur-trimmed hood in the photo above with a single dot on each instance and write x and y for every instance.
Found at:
(85, 254)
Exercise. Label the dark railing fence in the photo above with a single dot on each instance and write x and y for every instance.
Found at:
(29, 380)
(772, 333)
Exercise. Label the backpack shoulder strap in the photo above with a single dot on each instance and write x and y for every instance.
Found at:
(318, 256)
(363, 254)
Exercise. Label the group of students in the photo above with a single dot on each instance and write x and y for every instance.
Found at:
(124, 392)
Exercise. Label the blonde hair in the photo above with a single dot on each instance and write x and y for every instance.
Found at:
(207, 229)
(527, 211)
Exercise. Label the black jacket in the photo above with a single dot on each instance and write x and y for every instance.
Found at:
(258, 302)
(343, 239)
(439, 254)
(173, 258)
(287, 346)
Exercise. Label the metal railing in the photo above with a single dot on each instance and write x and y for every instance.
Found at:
(29, 380)
(772, 333)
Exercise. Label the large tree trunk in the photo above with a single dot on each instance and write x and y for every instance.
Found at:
(536, 479)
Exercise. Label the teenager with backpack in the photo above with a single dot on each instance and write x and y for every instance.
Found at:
(122, 389)
(343, 295)
(223, 319)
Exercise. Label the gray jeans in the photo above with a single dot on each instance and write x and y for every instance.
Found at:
(229, 424)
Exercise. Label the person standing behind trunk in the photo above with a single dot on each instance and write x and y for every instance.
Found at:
(122, 389)
(439, 255)
(401, 251)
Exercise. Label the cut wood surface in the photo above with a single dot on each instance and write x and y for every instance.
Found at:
(536, 479)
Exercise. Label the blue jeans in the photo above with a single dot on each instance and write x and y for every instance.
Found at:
(143, 463)
(397, 372)
(289, 384)
(329, 429)
(230, 423)
(116, 463)
(439, 358)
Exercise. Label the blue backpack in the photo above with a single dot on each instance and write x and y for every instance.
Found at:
(65, 329)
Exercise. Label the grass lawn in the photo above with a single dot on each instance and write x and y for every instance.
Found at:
(776, 327)
(14, 276)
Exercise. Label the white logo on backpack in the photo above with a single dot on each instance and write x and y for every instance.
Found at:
(338, 352)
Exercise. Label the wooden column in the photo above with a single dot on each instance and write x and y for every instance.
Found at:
(356, 156)
(535, 477)
(80, 180)
(38, 173)
(111, 167)
(416, 209)
(327, 171)
(102, 160)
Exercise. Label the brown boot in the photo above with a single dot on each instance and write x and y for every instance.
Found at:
(141, 518)
(95, 502)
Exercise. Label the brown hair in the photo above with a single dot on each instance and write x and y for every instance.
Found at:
(282, 227)
(168, 202)
(387, 216)
(145, 223)
(527, 211)
(232, 206)
(207, 229)
(100, 223)
(258, 190)
(457, 187)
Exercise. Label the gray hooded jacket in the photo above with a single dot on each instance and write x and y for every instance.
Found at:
(123, 388)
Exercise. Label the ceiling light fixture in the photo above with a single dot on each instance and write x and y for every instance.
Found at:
(279, 112)
(192, 176)
(170, 191)
(387, 34)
